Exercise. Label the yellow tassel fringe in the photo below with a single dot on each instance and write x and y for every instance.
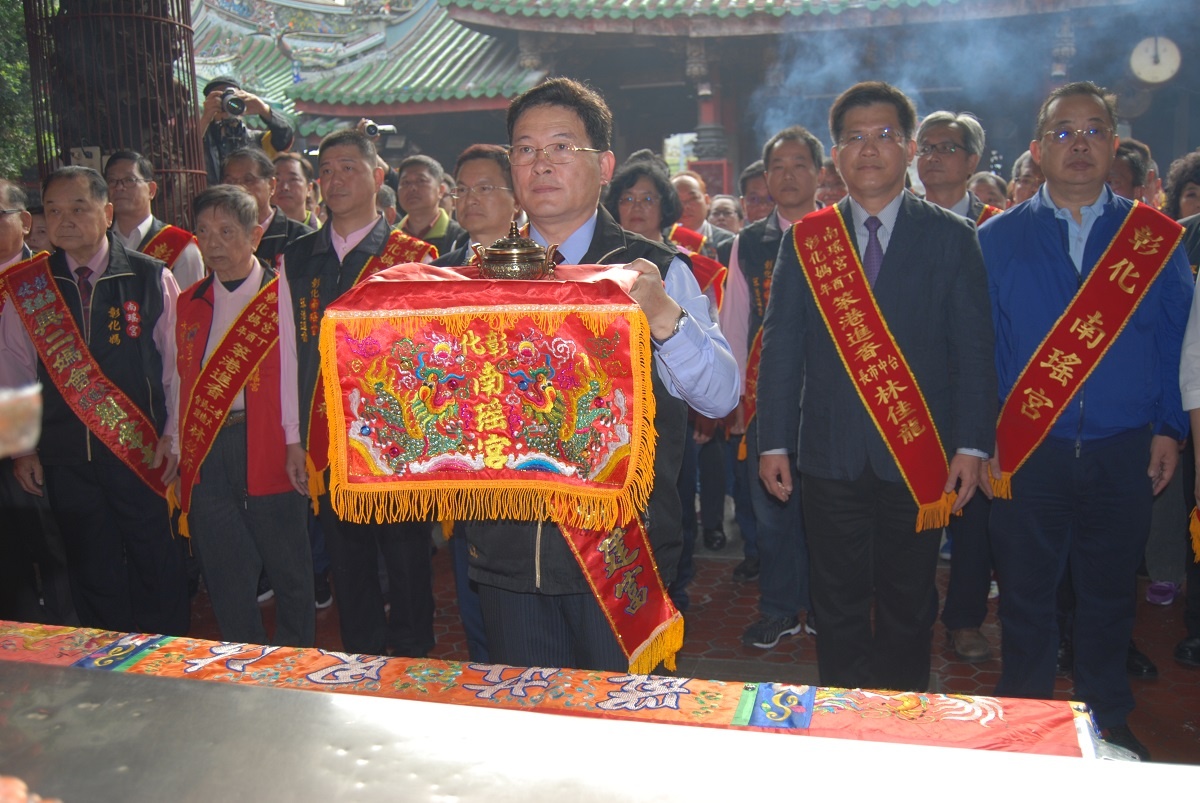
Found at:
(662, 647)
(1194, 530)
(1002, 488)
(935, 515)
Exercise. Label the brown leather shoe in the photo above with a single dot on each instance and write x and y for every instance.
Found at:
(969, 644)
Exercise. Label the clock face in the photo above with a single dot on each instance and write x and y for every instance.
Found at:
(1155, 59)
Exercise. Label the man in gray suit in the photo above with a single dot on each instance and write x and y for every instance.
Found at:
(928, 281)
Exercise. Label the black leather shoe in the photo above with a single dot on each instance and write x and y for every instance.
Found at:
(1187, 652)
(1122, 736)
(746, 570)
(1139, 665)
(714, 539)
(1066, 657)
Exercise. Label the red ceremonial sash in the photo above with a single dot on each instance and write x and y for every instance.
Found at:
(168, 244)
(400, 248)
(233, 361)
(1082, 336)
(620, 568)
(988, 211)
(103, 408)
(709, 273)
(873, 360)
(750, 391)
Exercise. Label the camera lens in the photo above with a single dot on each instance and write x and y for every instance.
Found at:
(231, 103)
(372, 130)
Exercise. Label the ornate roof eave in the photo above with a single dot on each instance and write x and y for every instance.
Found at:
(724, 18)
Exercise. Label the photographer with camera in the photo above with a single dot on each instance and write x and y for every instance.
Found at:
(224, 129)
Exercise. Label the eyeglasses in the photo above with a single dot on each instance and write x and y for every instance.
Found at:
(883, 135)
(482, 191)
(122, 183)
(560, 153)
(4, 212)
(638, 200)
(757, 199)
(940, 148)
(1093, 135)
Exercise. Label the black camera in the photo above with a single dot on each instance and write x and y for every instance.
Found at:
(232, 104)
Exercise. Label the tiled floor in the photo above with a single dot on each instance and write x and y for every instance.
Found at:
(1167, 718)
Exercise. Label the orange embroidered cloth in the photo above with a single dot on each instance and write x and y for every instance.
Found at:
(987, 723)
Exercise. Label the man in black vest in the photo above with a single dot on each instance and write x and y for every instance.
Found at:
(793, 159)
(315, 270)
(126, 572)
(538, 607)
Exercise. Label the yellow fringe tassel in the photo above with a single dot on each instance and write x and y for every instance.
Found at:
(1194, 529)
(316, 485)
(742, 451)
(935, 515)
(1002, 488)
(447, 528)
(661, 648)
(174, 504)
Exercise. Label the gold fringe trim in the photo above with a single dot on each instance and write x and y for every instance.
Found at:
(588, 508)
(316, 485)
(457, 321)
(174, 504)
(935, 515)
(743, 452)
(1002, 488)
(661, 647)
(1194, 530)
(447, 528)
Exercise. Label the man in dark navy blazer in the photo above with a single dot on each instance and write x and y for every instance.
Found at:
(872, 573)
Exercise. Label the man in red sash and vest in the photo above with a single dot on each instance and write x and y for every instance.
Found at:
(949, 145)
(877, 350)
(793, 157)
(315, 270)
(538, 605)
(1090, 298)
(132, 187)
(99, 333)
(239, 505)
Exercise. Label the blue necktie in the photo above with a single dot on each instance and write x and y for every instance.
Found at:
(873, 256)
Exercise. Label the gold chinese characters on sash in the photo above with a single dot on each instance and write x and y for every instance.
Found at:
(103, 408)
(1082, 336)
(168, 244)
(873, 360)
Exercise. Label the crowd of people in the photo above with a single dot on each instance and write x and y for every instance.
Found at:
(858, 366)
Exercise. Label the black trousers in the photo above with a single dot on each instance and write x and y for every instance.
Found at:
(865, 557)
(354, 552)
(126, 569)
(33, 564)
(552, 630)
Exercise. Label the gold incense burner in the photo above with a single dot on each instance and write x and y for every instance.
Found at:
(515, 257)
